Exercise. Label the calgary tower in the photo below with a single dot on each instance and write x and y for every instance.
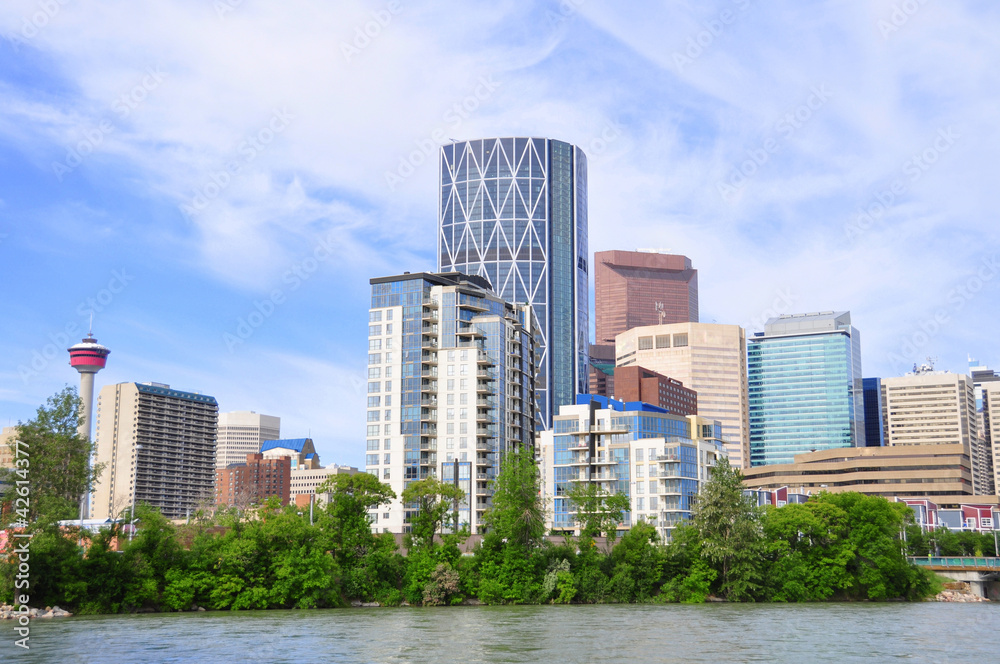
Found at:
(88, 357)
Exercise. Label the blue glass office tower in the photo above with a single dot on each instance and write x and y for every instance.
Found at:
(804, 379)
(514, 210)
(874, 432)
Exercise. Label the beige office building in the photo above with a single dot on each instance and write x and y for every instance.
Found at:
(929, 407)
(241, 432)
(707, 358)
(935, 471)
(7, 436)
(157, 445)
(991, 428)
(306, 480)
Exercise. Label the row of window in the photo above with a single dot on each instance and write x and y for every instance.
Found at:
(375, 316)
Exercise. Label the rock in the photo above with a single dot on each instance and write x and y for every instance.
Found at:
(355, 602)
(370, 604)
(471, 601)
(201, 608)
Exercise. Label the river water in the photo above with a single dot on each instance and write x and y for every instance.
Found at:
(923, 632)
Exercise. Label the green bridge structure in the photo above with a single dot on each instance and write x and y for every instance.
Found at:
(981, 573)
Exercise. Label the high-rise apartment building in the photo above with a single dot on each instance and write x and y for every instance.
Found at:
(805, 385)
(253, 481)
(450, 387)
(514, 211)
(658, 459)
(639, 288)
(635, 383)
(157, 445)
(986, 388)
(241, 432)
(927, 407)
(874, 433)
(707, 358)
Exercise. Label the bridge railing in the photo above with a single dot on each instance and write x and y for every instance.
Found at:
(956, 561)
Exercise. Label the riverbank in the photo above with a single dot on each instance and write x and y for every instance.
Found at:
(8, 612)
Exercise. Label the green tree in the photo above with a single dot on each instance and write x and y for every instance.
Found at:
(637, 564)
(345, 516)
(597, 511)
(731, 532)
(517, 514)
(51, 454)
(433, 499)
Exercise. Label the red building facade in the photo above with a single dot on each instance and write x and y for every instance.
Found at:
(250, 483)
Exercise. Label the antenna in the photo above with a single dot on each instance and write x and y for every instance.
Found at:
(90, 332)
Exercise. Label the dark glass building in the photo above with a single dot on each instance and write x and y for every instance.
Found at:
(514, 211)
(874, 434)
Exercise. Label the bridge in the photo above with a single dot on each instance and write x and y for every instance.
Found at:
(978, 571)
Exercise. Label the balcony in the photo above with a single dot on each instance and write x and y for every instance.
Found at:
(470, 331)
(429, 373)
(429, 358)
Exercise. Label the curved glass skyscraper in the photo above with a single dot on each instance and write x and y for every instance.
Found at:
(514, 210)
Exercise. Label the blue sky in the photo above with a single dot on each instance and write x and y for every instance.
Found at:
(177, 166)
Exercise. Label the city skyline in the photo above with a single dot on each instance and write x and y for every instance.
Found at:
(220, 210)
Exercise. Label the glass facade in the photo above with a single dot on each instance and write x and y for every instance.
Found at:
(514, 210)
(805, 387)
(874, 434)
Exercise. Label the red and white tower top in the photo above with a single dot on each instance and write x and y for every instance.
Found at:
(88, 356)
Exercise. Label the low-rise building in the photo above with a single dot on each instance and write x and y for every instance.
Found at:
(305, 481)
(301, 451)
(907, 471)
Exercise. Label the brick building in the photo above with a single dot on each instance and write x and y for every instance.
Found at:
(638, 384)
(250, 483)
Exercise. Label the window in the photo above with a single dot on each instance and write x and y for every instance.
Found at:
(387, 415)
(640, 487)
(385, 458)
(374, 330)
(451, 356)
(450, 413)
(372, 430)
(463, 456)
(463, 427)
(385, 473)
(652, 486)
(638, 456)
(451, 399)
(451, 384)
(463, 399)
(464, 370)
(463, 443)
(451, 369)
(388, 358)
(388, 430)
(388, 343)
(449, 443)
(373, 416)
(449, 457)
(463, 413)
(374, 316)
(388, 316)
(374, 387)
(374, 358)
(451, 427)
(388, 400)
(640, 471)
(464, 356)
(645, 343)
(680, 340)
(640, 504)
(371, 459)
(388, 328)
(652, 503)
(663, 341)
(373, 402)
(388, 383)
(387, 444)
(374, 344)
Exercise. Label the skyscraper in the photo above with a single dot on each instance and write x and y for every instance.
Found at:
(986, 386)
(927, 407)
(514, 211)
(242, 432)
(707, 358)
(874, 432)
(450, 372)
(157, 446)
(804, 379)
(637, 288)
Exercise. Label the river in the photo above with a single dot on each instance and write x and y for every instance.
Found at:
(806, 633)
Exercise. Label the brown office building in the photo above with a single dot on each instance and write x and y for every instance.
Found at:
(250, 483)
(636, 288)
(637, 384)
(935, 471)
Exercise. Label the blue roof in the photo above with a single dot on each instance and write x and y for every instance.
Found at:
(311, 455)
(613, 404)
(288, 443)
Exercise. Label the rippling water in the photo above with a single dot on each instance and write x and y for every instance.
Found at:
(926, 632)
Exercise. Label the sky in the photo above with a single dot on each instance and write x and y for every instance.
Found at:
(215, 181)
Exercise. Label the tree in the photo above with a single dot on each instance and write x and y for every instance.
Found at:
(433, 498)
(731, 531)
(597, 511)
(346, 512)
(517, 514)
(54, 458)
